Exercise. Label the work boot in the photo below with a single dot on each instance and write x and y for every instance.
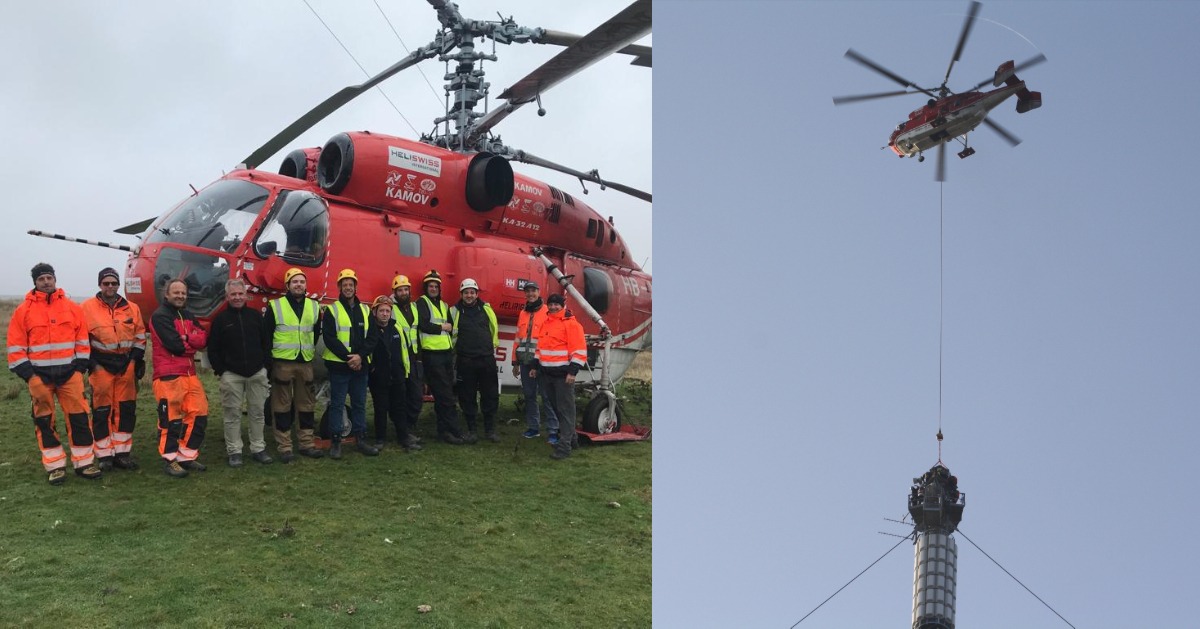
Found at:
(335, 450)
(312, 453)
(410, 443)
(493, 437)
(90, 472)
(470, 438)
(106, 463)
(235, 460)
(58, 476)
(125, 461)
(286, 456)
(174, 470)
(193, 466)
(560, 453)
(365, 448)
(451, 439)
(262, 457)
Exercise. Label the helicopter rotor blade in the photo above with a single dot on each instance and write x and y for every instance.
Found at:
(1004, 133)
(136, 228)
(642, 55)
(1028, 63)
(962, 39)
(332, 104)
(941, 163)
(593, 176)
(861, 60)
(624, 28)
(846, 100)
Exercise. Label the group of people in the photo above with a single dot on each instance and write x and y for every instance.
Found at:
(392, 347)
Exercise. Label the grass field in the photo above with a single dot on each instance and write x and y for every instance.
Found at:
(490, 535)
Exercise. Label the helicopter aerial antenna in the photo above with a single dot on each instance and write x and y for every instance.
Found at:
(405, 47)
(962, 41)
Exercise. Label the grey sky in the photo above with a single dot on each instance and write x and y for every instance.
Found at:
(112, 109)
(799, 401)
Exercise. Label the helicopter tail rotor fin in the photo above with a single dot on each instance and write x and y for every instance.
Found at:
(1003, 73)
(1028, 101)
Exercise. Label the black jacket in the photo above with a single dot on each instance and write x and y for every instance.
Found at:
(474, 331)
(361, 343)
(387, 353)
(235, 342)
(269, 323)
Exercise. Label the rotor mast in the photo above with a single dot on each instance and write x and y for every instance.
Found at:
(466, 85)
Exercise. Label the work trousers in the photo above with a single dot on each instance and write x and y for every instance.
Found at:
(293, 396)
(238, 390)
(439, 375)
(79, 432)
(414, 395)
(562, 398)
(114, 410)
(533, 388)
(389, 394)
(342, 382)
(182, 417)
(477, 376)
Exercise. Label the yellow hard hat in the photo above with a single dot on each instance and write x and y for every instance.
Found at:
(347, 273)
(400, 280)
(432, 276)
(292, 272)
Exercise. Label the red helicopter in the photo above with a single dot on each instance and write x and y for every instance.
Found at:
(385, 205)
(948, 115)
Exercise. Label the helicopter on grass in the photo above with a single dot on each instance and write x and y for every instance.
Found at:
(947, 115)
(450, 200)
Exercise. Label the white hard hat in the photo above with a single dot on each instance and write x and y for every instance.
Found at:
(468, 283)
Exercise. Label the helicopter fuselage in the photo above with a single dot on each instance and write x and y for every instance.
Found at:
(402, 211)
(947, 118)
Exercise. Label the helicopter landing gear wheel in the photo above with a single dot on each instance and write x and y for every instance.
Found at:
(601, 418)
(920, 158)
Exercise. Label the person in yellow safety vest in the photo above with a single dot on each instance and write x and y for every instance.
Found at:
(347, 354)
(290, 328)
(118, 335)
(437, 356)
(475, 339)
(404, 315)
(524, 358)
(51, 360)
(389, 374)
(561, 353)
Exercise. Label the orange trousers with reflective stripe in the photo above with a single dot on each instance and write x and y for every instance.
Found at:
(114, 408)
(182, 417)
(79, 432)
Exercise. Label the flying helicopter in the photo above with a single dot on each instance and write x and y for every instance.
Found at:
(386, 205)
(948, 115)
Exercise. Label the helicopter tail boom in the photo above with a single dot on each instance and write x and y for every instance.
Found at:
(1026, 100)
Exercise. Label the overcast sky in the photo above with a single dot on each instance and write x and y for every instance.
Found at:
(111, 109)
(797, 315)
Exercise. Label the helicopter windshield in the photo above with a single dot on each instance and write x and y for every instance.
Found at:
(296, 228)
(216, 218)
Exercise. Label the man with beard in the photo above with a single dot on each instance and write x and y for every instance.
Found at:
(182, 405)
(561, 353)
(48, 349)
(347, 350)
(475, 342)
(404, 316)
(290, 329)
(235, 350)
(433, 332)
(118, 336)
(524, 358)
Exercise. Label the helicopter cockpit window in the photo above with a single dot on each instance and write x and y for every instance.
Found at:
(297, 228)
(216, 218)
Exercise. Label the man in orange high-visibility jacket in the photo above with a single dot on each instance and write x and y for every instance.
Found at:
(48, 349)
(118, 337)
(524, 359)
(182, 405)
(561, 352)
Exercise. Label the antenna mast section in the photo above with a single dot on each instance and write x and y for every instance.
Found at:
(936, 507)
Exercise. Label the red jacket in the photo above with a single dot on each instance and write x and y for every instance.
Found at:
(177, 336)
